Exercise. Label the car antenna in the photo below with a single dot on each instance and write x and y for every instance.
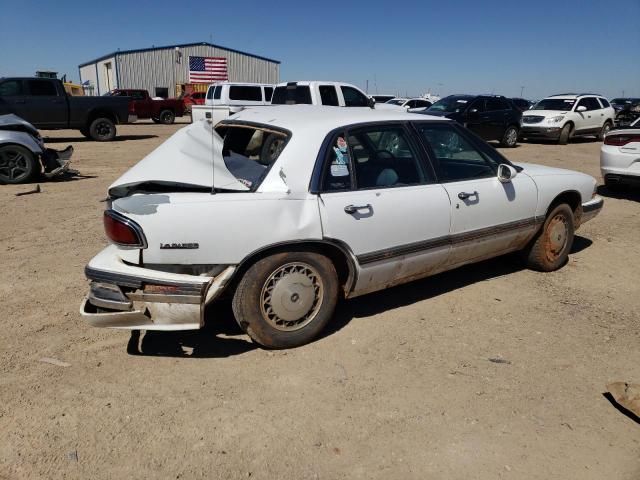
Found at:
(213, 161)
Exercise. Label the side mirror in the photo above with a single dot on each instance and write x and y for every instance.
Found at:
(371, 102)
(581, 108)
(506, 173)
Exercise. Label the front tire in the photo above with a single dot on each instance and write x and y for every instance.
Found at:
(17, 164)
(285, 300)
(550, 248)
(167, 117)
(510, 137)
(565, 133)
(102, 129)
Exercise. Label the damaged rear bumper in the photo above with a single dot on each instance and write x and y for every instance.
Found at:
(131, 297)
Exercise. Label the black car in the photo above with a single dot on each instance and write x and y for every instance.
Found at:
(522, 104)
(492, 117)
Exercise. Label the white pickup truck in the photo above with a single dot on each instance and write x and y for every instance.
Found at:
(222, 102)
(226, 98)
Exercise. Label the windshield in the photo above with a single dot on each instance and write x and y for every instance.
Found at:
(396, 101)
(450, 104)
(554, 104)
(249, 152)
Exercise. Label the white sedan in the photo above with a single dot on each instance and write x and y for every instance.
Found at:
(287, 210)
(620, 156)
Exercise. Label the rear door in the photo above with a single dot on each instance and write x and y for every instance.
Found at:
(488, 218)
(498, 112)
(47, 104)
(378, 196)
(13, 99)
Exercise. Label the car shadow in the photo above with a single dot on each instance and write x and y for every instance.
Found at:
(620, 192)
(119, 138)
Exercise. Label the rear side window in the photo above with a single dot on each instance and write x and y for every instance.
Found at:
(42, 88)
(292, 95)
(337, 175)
(328, 95)
(11, 88)
(268, 93)
(250, 94)
(354, 98)
(137, 95)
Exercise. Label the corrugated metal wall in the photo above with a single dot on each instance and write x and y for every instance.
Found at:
(165, 68)
(100, 78)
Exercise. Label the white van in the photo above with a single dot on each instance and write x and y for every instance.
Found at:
(226, 98)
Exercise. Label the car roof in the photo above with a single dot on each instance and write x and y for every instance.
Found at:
(575, 95)
(305, 83)
(297, 117)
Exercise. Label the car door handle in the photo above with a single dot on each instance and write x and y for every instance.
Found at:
(351, 209)
(465, 195)
(20, 101)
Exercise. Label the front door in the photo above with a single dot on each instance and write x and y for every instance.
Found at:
(488, 218)
(378, 197)
(477, 119)
(49, 106)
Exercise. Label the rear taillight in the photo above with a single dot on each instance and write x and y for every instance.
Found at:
(123, 231)
(132, 108)
(621, 140)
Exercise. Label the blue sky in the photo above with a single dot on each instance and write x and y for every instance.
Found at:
(399, 46)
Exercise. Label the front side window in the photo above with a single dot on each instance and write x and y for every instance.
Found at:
(11, 88)
(249, 152)
(383, 156)
(42, 88)
(604, 102)
(354, 98)
(590, 103)
(478, 105)
(245, 93)
(455, 158)
(328, 95)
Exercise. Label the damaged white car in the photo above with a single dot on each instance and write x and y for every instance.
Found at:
(288, 209)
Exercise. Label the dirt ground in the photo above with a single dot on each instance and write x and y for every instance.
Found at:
(400, 387)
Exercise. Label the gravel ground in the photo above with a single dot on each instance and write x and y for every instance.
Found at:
(400, 387)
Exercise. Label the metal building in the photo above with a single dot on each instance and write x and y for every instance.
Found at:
(164, 71)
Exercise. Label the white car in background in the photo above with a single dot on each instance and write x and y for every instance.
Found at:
(288, 209)
(226, 98)
(620, 156)
(561, 117)
(400, 103)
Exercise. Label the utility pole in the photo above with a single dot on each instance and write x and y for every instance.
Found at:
(367, 89)
(521, 91)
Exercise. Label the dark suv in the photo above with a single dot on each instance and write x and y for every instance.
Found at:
(492, 117)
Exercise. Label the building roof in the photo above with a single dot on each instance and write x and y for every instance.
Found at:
(166, 47)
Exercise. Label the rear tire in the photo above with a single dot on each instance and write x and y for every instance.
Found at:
(167, 117)
(550, 248)
(17, 164)
(102, 129)
(285, 300)
(604, 130)
(510, 137)
(565, 134)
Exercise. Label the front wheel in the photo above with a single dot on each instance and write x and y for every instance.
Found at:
(510, 137)
(550, 248)
(102, 129)
(285, 300)
(17, 164)
(167, 117)
(565, 133)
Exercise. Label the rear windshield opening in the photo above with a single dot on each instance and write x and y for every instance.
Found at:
(249, 152)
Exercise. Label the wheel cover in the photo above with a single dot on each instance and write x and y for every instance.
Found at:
(103, 129)
(512, 136)
(291, 297)
(557, 234)
(13, 164)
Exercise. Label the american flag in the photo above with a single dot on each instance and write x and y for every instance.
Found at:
(207, 69)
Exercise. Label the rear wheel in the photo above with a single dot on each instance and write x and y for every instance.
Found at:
(167, 117)
(102, 129)
(565, 133)
(550, 249)
(285, 300)
(17, 164)
(510, 137)
(604, 130)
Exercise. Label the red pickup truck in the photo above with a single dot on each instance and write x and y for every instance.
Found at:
(160, 111)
